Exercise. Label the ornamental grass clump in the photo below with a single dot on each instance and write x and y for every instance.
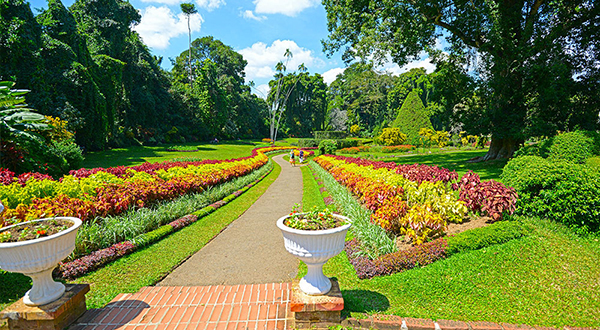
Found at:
(313, 220)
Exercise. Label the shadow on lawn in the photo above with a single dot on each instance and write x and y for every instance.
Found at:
(364, 301)
(13, 287)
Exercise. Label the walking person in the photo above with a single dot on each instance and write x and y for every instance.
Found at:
(301, 156)
(292, 159)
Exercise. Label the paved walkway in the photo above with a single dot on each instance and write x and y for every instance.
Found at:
(250, 250)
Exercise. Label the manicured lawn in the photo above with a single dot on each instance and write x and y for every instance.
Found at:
(137, 155)
(311, 196)
(149, 265)
(549, 278)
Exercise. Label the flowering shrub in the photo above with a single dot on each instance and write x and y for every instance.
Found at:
(392, 136)
(355, 150)
(101, 192)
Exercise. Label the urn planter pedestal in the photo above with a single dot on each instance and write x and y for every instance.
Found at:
(37, 258)
(314, 248)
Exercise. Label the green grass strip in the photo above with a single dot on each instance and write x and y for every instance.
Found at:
(311, 195)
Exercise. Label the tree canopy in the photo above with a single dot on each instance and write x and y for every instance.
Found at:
(536, 59)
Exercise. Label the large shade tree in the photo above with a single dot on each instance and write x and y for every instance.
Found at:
(538, 58)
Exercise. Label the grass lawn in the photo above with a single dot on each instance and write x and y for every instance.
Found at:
(137, 155)
(549, 278)
(149, 265)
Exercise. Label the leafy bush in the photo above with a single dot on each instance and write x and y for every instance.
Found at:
(421, 223)
(575, 147)
(392, 137)
(327, 147)
(70, 152)
(595, 139)
(308, 143)
(559, 190)
(329, 135)
(491, 198)
(541, 149)
(474, 239)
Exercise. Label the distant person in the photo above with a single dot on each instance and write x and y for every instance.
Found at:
(301, 156)
(292, 158)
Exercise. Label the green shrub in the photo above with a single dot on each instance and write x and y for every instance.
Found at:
(478, 238)
(541, 149)
(327, 147)
(153, 236)
(329, 135)
(308, 143)
(595, 139)
(575, 147)
(559, 190)
(69, 151)
(391, 137)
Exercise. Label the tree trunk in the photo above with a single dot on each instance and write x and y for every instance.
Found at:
(500, 148)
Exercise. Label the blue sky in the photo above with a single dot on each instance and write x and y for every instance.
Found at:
(260, 30)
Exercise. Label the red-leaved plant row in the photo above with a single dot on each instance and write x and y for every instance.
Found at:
(113, 199)
(416, 256)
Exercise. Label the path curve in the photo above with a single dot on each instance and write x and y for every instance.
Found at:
(250, 250)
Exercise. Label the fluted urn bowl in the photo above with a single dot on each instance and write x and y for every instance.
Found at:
(37, 258)
(314, 248)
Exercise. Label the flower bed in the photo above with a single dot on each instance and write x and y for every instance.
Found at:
(107, 191)
(418, 200)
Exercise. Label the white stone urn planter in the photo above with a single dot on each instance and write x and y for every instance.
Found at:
(314, 248)
(37, 258)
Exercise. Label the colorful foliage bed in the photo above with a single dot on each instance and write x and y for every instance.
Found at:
(88, 193)
(417, 201)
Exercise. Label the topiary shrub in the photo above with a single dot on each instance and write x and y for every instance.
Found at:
(327, 147)
(391, 137)
(574, 147)
(412, 116)
(556, 189)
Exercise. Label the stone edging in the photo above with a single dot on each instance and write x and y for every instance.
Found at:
(392, 322)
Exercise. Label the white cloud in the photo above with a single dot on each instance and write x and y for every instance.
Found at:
(166, 2)
(396, 70)
(250, 15)
(210, 4)
(285, 7)
(261, 91)
(330, 75)
(159, 25)
(263, 58)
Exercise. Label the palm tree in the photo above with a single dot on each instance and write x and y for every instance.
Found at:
(188, 10)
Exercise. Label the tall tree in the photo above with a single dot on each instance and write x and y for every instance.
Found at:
(516, 40)
(188, 9)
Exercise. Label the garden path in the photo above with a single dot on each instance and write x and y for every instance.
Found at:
(250, 250)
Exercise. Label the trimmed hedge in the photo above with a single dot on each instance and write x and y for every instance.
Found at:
(478, 238)
(560, 190)
(348, 143)
(308, 143)
(327, 147)
(329, 135)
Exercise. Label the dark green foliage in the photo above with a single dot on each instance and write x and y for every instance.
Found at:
(329, 135)
(574, 147)
(412, 117)
(595, 139)
(308, 143)
(540, 149)
(475, 239)
(347, 143)
(327, 147)
(70, 152)
(559, 190)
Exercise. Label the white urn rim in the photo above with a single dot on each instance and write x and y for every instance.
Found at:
(342, 228)
(76, 224)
